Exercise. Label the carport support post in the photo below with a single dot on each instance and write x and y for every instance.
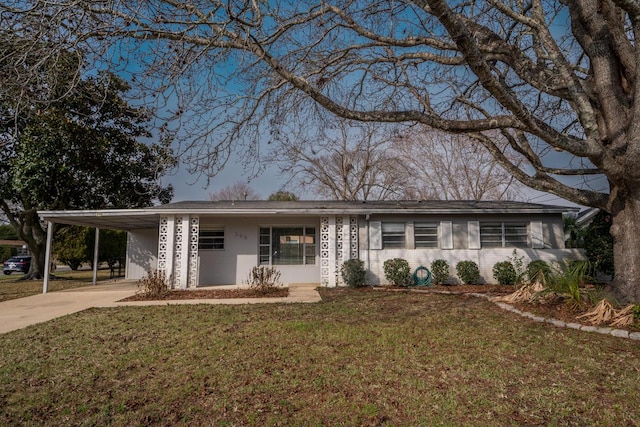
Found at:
(95, 257)
(47, 258)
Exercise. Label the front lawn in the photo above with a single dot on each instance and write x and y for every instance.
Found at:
(360, 357)
(13, 286)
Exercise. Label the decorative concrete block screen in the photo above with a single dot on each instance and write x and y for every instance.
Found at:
(338, 243)
(178, 250)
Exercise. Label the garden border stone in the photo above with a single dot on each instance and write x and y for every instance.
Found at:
(618, 333)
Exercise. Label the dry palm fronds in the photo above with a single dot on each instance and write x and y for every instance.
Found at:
(624, 316)
(524, 294)
(547, 298)
(603, 312)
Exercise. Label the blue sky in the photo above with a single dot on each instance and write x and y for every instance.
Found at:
(193, 187)
(190, 187)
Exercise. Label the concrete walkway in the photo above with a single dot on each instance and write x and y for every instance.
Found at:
(22, 312)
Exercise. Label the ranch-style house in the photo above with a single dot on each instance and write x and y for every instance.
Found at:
(206, 243)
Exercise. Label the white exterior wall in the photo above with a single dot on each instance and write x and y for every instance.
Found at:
(489, 257)
(374, 255)
(485, 258)
(240, 254)
(233, 264)
(142, 253)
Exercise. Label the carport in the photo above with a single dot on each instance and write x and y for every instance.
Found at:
(115, 219)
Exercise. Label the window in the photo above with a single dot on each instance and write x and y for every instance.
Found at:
(503, 234)
(287, 246)
(425, 234)
(212, 238)
(393, 235)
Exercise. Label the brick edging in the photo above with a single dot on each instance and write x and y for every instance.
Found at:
(619, 333)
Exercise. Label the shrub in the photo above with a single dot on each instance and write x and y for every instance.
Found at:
(353, 273)
(155, 284)
(71, 246)
(518, 267)
(505, 273)
(397, 271)
(439, 271)
(598, 243)
(263, 279)
(539, 271)
(569, 277)
(7, 252)
(468, 272)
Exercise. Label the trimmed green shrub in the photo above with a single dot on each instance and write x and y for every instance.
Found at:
(468, 272)
(397, 271)
(353, 273)
(505, 273)
(439, 271)
(539, 271)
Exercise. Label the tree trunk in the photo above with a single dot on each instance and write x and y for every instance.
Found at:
(625, 229)
(28, 227)
(36, 271)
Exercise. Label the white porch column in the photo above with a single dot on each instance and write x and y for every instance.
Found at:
(332, 251)
(47, 258)
(194, 235)
(343, 244)
(353, 238)
(326, 274)
(181, 253)
(165, 246)
(346, 239)
(96, 246)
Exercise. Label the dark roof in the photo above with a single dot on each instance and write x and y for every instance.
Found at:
(127, 219)
(426, 206)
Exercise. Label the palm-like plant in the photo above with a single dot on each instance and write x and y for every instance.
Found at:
(573, 234)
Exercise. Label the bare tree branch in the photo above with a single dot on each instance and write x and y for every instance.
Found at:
(232, 73)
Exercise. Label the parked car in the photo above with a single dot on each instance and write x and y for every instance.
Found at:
(19, 263)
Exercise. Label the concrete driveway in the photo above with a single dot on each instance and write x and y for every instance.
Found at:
(22, 312)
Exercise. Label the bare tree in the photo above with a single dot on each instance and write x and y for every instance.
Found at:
(341, 160)
(282, 196)
(238, 191)
(565, 98)
(452, 167)
(40, 64)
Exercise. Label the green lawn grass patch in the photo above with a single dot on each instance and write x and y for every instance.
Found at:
(358, 358)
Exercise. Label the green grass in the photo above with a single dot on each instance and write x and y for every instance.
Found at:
(360, 357)
(13, 286)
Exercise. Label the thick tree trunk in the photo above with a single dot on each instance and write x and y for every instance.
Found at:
(625, 230)
(37, 262)
(28, 227)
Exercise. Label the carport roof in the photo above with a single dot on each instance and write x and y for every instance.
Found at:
(130, 219)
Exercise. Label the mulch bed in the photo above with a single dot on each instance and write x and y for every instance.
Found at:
(458, 289)
(559, 309)
(180, 294)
